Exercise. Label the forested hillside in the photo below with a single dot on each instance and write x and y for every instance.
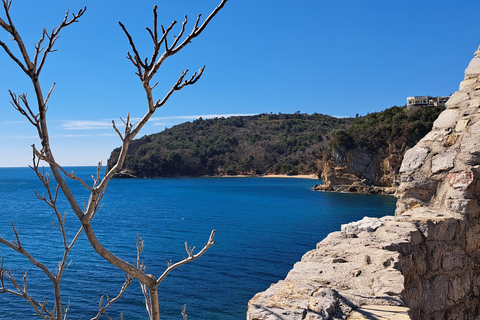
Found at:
(394, 127)
(261, 144)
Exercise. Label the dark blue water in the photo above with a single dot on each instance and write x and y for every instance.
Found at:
(264, 225)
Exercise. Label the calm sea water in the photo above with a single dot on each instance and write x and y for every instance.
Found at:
(264, 225)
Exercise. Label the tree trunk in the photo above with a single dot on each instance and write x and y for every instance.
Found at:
(154, 301)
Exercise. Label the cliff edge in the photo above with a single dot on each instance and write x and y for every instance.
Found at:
(425, 258)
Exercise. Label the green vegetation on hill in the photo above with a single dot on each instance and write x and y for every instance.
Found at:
(261, 144)
(278, 143)
(393, 127)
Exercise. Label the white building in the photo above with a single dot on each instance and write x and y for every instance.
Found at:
(418, 101)
(426, 101)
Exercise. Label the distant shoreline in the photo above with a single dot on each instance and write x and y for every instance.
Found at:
(298, 176)
(302, 176)
(126, 174)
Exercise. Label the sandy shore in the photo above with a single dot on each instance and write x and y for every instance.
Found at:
(302, 176)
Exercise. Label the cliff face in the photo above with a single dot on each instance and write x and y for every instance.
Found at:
(367, 156)
(357, 170)
(424, 259)
(440, 192)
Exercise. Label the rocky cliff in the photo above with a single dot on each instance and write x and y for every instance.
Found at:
(424, 260)
(366, 157)
(357, 170)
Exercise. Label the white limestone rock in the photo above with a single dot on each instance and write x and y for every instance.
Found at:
(456, 99)
(413, 159)
(471, 143)
(461, 125)
(426, 256)
(434, 135)
(473, 68)
(467, 84)
(365, 225)
(477, 53)
(443, 161)
(447, 119)
(475, 127)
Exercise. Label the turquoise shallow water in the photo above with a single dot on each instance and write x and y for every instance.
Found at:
(263, 226)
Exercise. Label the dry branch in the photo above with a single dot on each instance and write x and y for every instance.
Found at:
(22, 292)
(103, 309)
(190, 257)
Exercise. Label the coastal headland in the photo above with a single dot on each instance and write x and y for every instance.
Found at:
(361, 154)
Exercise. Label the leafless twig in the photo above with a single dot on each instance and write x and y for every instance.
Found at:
(22, 292)
(184, 312)
(103, 309)
(191, 257)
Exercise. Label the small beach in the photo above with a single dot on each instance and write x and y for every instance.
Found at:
(302, 176)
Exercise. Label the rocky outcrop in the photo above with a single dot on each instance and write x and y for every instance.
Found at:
(125, 174)
(356, 170)
(426, 257)
(366, 157)
(356, 266)
(355, 187)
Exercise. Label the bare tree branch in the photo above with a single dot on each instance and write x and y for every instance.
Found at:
(179, 85)
(70, 175)
(184, 312)
(6, 7)
(22, 292)
(190, 257)
(31, 117)
(53, 37)
(48, 95)
(17, 246)
(142, 266)
(13, 57)
(103, 309)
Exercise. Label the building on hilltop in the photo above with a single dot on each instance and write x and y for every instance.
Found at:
(426, 101)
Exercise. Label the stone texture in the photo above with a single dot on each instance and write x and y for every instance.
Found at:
(426, 257)
(456, 99)
(460, 180)
(380, 313)
(473, 68)
(461, 124)
(413, 159)
(475, 128)
(348, 269)
(365, 225)
(447, 119)
(443, 161)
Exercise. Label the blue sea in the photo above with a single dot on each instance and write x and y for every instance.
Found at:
(263, 226)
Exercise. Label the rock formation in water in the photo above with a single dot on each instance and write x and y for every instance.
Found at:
(357, 170)
(426, 257)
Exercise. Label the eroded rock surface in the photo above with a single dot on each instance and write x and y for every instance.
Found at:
(349, 268)
(426, 257)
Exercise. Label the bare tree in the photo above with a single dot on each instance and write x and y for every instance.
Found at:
(165, 44)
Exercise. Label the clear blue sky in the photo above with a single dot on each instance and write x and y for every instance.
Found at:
(339, 58)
